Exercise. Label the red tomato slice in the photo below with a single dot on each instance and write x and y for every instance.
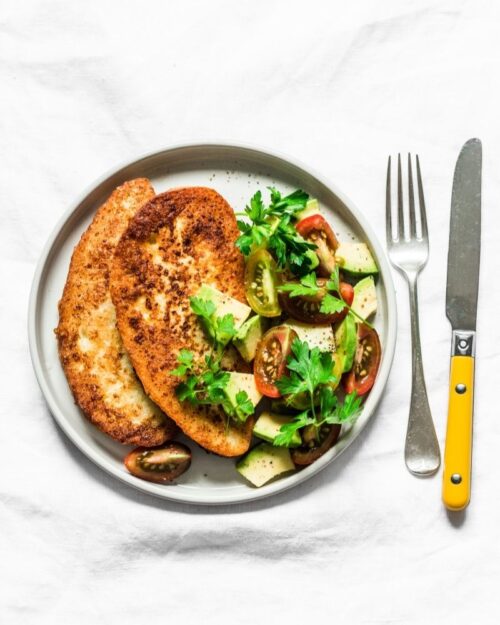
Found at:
(366, 362)
(306, 308)
(346, 292)
(316, 230)
(271, 358)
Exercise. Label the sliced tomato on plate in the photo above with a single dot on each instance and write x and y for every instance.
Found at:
(316, 229)
(159, 464)
(271, 358)
(312, 448)
(366, 362)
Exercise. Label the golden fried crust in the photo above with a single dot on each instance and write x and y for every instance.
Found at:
(94, 359)
(178, 241)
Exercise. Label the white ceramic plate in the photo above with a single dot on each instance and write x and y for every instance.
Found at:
(235, 172)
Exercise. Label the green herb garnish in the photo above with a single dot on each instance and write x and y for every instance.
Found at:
(205, 385)
(220, 329)
(272, 226)
(330, 304)
(311, 372)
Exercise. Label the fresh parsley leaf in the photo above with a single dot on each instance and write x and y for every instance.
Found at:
(275, 195)
(220, 329)
(244, 407)
(309, 368)
(307, 285)
(224, 329)
(185, 360)
(272, 227)
(347, 412)
(252, 236)
(331, 304)
(292, 385)
(203, 307)
(285, 437)
(351, 407)
(246, 240)
(328, 400)
(256, 211)
(215, 387)
(258, 230)
(289, 247)
(289, 205)
(333, 283)
(208, 387)
(187, 390)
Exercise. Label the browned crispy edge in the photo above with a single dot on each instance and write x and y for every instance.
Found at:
(71, 308)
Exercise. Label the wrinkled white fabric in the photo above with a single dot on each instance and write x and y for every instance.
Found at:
(340, 86)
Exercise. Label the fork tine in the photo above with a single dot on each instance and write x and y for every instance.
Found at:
(401, 223)
(421, 201)
(388, 209)
(411, 196)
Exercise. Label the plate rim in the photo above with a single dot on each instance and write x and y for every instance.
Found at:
(156, 490)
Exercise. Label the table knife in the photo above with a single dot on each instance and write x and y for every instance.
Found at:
(461, 307)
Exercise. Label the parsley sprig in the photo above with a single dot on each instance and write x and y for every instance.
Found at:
(206, 385)
(311, 372)
(273, 227)
(220, 329)
(330, 304)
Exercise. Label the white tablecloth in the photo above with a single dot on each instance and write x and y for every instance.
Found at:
(340, 86)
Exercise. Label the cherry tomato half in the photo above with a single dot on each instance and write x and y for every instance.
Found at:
(306, 308)
(346, 292)
(270, 360)
(366, 362)
(159, 464)
(311, 448)
(260, 284)
(316, 230)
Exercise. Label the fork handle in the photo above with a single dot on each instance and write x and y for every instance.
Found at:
(422, 454)
(458, 448)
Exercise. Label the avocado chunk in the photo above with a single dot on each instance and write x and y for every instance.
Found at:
(311, 208)
(346, 341)
(249, 335)
(268, 427)
(320, 335)
(365, 298)
(356, 259)
(241, 382)
(224, 304)
(265, 462)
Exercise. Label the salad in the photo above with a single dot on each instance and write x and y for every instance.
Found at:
(306, 335)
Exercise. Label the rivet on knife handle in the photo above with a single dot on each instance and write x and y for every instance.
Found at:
(458, 450)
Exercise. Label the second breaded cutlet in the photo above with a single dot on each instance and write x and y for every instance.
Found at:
(91, 350)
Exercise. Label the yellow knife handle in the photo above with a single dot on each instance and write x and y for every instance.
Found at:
(458, 448)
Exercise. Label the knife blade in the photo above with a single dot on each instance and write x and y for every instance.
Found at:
(461, 308)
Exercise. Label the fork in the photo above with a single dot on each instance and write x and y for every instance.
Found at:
(409, 250)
